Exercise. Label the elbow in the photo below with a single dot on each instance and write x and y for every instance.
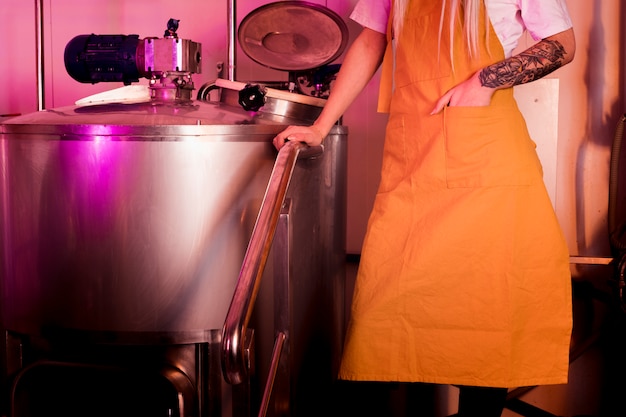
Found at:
(566, 45)
(568, 40)
(570, 51)
(569, 56)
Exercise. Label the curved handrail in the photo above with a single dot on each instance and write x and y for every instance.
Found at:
(234, 363)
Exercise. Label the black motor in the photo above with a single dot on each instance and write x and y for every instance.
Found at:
(103, 58)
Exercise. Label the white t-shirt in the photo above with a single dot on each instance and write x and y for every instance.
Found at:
(509, 18)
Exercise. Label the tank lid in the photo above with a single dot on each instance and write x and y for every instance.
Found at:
(293, 35)
(149, 119)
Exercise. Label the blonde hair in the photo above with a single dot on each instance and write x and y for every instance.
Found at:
(470, 8)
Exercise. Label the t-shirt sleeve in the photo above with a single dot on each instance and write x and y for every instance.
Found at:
(543, 18)
(372, 14)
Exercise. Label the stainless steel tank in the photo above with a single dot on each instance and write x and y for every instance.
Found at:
(126, 227)
(127, 224)
(128, 218)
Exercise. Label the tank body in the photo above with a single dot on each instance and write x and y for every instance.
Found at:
(129, 218)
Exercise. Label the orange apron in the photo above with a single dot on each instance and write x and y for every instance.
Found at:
(464, 275)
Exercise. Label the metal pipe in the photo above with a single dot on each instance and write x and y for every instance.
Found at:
(41, 101)
(591, 260)
(234, 364)
(269, 385)
(232, 29)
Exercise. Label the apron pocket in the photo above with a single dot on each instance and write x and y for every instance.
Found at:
(488, 146)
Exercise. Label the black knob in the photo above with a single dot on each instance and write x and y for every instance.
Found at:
(252, 97)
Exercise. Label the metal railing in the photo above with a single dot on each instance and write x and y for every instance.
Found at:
(235, 364)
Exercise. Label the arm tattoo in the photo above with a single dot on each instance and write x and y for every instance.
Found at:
(532, 64)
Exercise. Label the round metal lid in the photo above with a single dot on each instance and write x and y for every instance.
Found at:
(293, 35)
(145, 121)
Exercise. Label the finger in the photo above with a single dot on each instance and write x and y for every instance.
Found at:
(278, 141)
(441, 103)
(438, 107)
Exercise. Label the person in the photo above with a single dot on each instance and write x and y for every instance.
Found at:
(464, 275)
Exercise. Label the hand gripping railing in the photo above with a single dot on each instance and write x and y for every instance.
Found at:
(234, 362)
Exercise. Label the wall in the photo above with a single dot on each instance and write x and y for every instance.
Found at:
(590, 105)
(18, 73)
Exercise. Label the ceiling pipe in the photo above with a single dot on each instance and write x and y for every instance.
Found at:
(232, 30)
(41, 101)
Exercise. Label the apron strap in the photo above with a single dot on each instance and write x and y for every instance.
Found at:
(385, 89)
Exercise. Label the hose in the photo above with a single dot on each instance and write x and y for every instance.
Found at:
(616, 232)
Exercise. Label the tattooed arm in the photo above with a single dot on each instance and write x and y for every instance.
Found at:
(535, 62)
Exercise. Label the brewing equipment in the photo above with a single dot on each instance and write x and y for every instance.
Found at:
(138, 233)
(274, 36)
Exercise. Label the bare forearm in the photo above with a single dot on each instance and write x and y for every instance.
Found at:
(360, 64)
(536, 62)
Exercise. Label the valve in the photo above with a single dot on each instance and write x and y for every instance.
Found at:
(252, 97)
